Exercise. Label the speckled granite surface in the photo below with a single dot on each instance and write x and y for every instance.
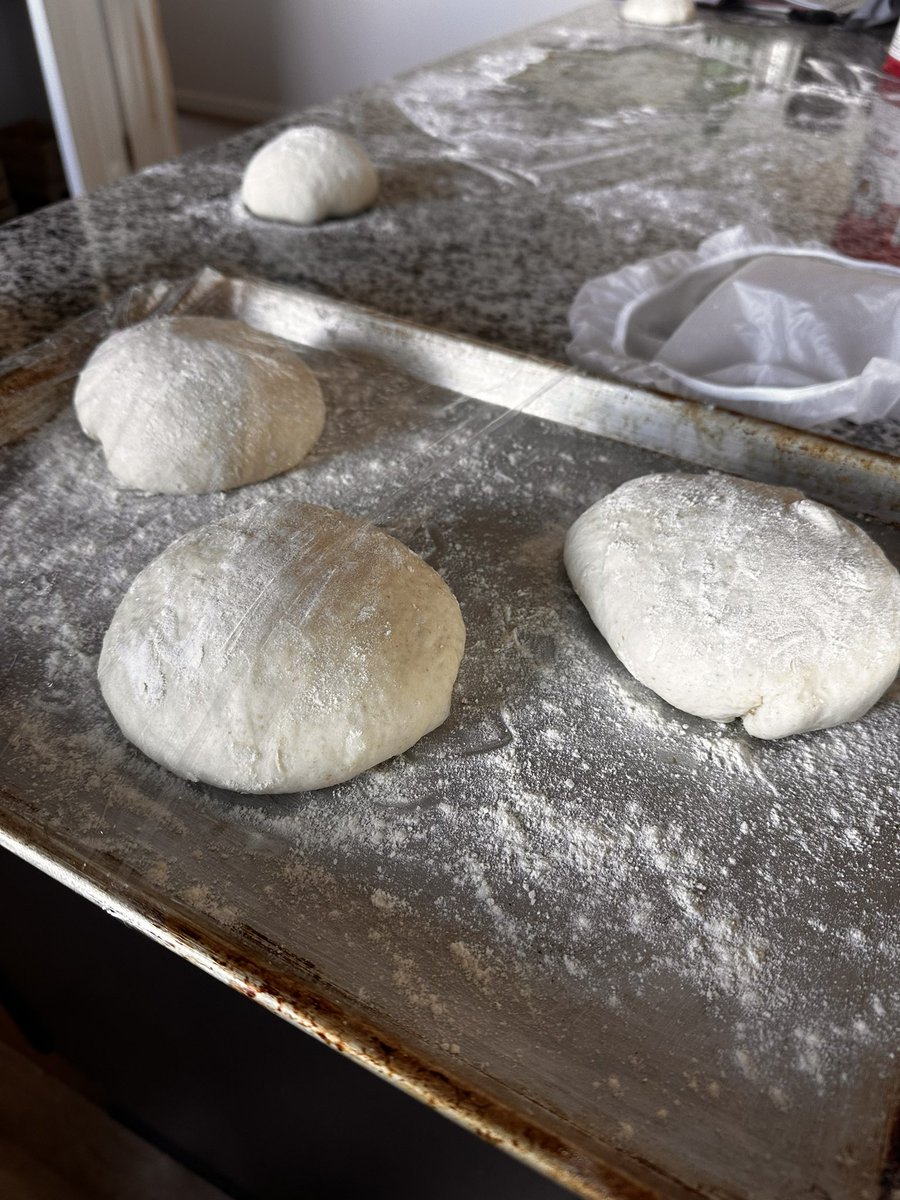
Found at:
(509, 175)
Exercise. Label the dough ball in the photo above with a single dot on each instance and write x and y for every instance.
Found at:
(736, 599)
(285, 649)
(307, 174)
(196, 404)
(658, 12)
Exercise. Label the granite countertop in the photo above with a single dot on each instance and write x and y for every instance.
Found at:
(665, 963)
(509, 175)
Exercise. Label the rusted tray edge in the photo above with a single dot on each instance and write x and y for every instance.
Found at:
(311, 1009)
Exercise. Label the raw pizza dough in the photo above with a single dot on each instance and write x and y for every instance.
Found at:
(284, 649)
(658, 12)
(737, 599)
(307, 174)
(196, 404)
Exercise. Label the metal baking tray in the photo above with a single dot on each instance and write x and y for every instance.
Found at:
(637, 949)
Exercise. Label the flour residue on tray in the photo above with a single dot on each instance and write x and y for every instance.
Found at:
(564, 872)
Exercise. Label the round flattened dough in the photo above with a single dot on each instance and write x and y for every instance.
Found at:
(196, 404)
(736, 599)
(285, 649)
(658, 12)
(307, 174)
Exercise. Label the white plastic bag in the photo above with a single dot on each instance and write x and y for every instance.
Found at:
(754, 323)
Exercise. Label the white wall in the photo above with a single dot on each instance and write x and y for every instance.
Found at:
(260, 58)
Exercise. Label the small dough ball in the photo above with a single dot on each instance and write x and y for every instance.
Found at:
(307, 174)
(287, 648)
(737, 599)
(658, 12)
(197, 404)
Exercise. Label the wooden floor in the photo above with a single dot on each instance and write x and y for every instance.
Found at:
(57, 1145)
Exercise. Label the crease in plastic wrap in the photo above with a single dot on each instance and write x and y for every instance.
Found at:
(754, 322)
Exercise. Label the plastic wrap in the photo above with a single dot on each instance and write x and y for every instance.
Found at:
(545, 870)
(753, 322)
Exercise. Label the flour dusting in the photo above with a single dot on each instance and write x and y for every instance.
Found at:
(569, 881)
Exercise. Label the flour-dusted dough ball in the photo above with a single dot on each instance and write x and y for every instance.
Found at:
(307, 174)
(285, 649)
(736, 599)
(658, 12)
(196, 404)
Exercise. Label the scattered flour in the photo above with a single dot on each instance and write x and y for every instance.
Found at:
(567, 862)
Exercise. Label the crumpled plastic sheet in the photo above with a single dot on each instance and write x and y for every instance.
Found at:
(656, 131)
(753, 322)
(872, 13)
